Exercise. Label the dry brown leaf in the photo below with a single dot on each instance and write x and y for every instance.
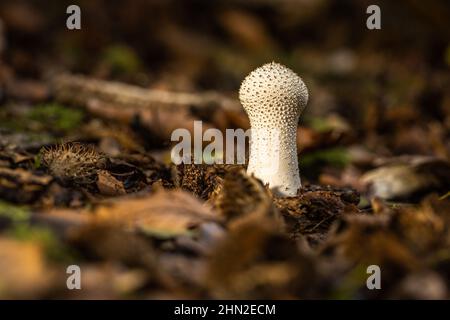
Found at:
(164, 214)
(63, 218)
(23, 272)
(108, 185)
(14, 155)
(369, 239)
(256, 260)
(20, 185)
(240, 195)
(422, 228)
(405, 178)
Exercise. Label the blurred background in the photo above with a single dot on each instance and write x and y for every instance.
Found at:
(378, 121)
(197, 45)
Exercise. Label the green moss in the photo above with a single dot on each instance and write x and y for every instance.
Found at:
(363, 202)
(38, 160)
(327, 124)
(21, 229)
(447, 55)
(56, 116)
(53, 248)
(121, 59)
(312, 163)
(351, 284)
(35, 122)
(337, 157)
(14, 213)
(318, 124)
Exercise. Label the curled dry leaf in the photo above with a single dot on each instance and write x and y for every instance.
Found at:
(14, 155)
(112, 243)
(421, 228)
(256, 260)
(239, 195)
(368, 239)
(402, 240)
(109, 242)
(164, 214)
(409, 178)
(63, 217)
(108, 185)
(20, 185)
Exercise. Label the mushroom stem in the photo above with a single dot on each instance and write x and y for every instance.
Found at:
(273, 159)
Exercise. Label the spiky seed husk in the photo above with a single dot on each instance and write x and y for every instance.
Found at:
(73, 162)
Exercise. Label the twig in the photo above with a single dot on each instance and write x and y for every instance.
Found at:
(78, 89)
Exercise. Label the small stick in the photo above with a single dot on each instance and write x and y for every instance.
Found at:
(78, 89)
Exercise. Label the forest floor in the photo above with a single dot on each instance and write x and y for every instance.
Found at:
(86, 177)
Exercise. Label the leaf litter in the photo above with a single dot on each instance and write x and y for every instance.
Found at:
(86, 176)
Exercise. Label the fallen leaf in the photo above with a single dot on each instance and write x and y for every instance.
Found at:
(23, 272)
(108, 185)
(408, 177)
(165, 214)
(20, 185)
(240, 195)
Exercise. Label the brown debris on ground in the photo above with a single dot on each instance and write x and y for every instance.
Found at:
(86, 177)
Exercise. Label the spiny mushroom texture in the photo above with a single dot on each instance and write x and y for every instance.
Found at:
(274, 96)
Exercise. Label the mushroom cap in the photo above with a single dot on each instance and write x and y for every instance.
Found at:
(273, 94)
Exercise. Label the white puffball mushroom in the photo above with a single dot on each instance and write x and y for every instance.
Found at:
(273, 96)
